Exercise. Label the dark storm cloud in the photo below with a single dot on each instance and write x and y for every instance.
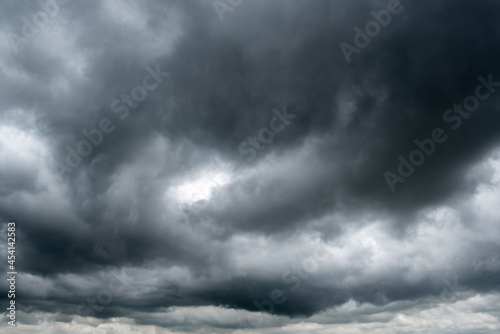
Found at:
(322, 174)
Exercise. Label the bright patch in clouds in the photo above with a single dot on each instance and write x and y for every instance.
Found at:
(201, 187)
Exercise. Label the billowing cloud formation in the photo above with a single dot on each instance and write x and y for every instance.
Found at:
(289, 166)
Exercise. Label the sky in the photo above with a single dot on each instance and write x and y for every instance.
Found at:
(251, 166)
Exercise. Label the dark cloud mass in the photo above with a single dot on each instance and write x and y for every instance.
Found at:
(232, 166)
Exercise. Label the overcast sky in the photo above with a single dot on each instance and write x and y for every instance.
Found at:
(251, 166)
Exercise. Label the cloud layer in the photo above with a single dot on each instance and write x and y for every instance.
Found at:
(194, 166)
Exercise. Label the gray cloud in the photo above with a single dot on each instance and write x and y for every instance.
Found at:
(202, 230)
